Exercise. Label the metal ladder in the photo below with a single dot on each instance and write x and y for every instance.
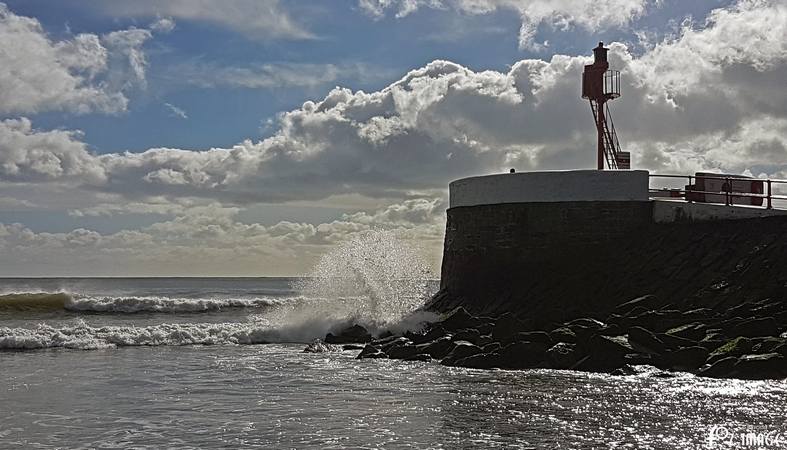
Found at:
(610, 137)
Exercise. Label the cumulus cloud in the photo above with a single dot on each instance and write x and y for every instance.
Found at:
(258, 19)
(169, 247)
(82, 74)
(592, 15)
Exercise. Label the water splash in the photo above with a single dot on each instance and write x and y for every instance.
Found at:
(375, 279)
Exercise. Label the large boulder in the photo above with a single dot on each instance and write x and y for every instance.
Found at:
(534, 336)
(562, 355)
(522, 355)
(438, 348)
(672, 342)
(719, 369)
(734, 347)
(563, 334)
(685, 359)
(694, 331)
(468, 334)
(461, 350)
(658, 321)
(402, 351)
(647, 302)
(644, 341)
(349, 335)
(372, 352)
(605, 354)
(760, 367)
(434, 332)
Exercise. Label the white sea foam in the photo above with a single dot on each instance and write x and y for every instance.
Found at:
(162, 304)
(84, 336)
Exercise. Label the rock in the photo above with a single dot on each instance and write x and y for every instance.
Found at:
(673, 342)
(694, 331)
(370, 350)
(624, 371)
(491, 347)
(761, 367)
(386, 340)
(522, 355)
(484, 340)
(640, 359)
(435, 332)
(485, 328)
(319, 346)
(353, 347)
(735, 347)
(585, 322)
(534, 336)
(756, 327)
(685, 359)
(781, 349)
(719, 369)
(605, 354)
(563, 334)
(468, 334)
(459, 319)
(423, 357)
(658, 321)
(765, 344)
(644, 341)
(461, 350)
(401, 340)
(562, 355)
(438, 348)
(480, 361)
(403, 351)
(349, 335)
(506, 327)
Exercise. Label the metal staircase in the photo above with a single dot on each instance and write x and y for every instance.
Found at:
(610, 137)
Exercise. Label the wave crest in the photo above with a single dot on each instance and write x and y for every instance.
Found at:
(42, 301)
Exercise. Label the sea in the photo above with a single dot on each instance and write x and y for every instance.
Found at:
(219, 363)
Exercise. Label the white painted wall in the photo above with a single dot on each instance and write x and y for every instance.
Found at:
(666, 211)
(554, 186)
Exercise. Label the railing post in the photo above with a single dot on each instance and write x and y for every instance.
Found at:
(729, 186)
(770, 204)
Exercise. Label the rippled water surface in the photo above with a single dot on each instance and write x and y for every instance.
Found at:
(115, 366)
(274, 396)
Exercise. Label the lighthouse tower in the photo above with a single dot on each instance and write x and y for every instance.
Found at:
(600, 85)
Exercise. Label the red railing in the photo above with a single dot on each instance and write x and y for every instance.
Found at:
(727, 191)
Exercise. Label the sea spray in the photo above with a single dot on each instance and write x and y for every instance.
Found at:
(375, 279)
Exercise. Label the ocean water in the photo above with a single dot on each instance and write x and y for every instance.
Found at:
(218, 362)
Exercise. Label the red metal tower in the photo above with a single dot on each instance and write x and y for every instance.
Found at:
(599, 85)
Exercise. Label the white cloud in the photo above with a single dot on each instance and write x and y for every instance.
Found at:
(592, 15)
(258, 19)
(83, 74)
(175, 111)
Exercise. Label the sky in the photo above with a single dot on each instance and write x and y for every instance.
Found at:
(249, 137)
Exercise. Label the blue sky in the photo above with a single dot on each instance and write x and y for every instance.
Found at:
(106, 140)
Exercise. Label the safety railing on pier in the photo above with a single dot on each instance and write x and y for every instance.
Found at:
(772, 192)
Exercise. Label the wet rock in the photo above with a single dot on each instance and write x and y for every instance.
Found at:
(644, 341)
(605, 354)
(491, 347)
(370, 351)
(349, 335)
(640, 359)
(694, 331)
(480, 361)
(484, 340)
(401, 340)
(435, 332)
(589, 323)
(438, 348)
(534, 336)
(523, 355)
(624, 370)
(384, 341)
(685, 359)
(506, 327)
(319, 346)
(673, 342)
(765, 344)
(760, 367)
(486, 327)
(756, 327)
(781, 349)
(461, 350)
(563, 334)
(734, 347)
(402, 351)
(562, 355)
(353, 347)
(468, 334)
(719, 369)
(658, 321)
(459, 319)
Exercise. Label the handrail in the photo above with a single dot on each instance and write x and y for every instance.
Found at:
(729, 191)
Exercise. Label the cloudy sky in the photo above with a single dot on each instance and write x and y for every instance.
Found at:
(247, 137)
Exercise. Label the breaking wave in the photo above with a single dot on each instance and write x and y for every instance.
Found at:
(40, 301)
(86, 337)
